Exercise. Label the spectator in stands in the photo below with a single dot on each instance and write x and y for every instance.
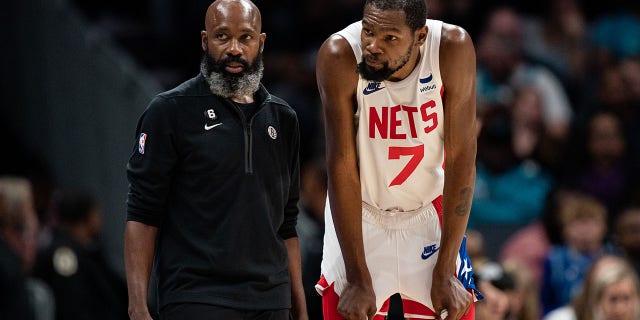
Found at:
(19, 205)
(610, 292)
(630, 111)
(627, 235)
(530, 244)
(584, 225)
(17, 224)
(557, 40)
(502, 70)
(600, 166)
(531, 139)
(509, 192)
(476, 248)
(493, 283)
(624, 44)
(524, 300)
(84, 284)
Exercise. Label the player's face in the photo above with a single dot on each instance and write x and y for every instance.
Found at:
(388, 44)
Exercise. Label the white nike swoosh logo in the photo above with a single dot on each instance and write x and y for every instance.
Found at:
(207, 127)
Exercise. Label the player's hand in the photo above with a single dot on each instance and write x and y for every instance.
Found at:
(448, 293)
(357, 302)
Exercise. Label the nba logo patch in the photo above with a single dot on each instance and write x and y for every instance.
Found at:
(141, 142)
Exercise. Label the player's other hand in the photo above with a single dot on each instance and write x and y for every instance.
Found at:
(448, 293)
(357, 302)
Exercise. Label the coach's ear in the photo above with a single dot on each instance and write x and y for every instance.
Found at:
(203, 38)
(263, 37)
(421, 36)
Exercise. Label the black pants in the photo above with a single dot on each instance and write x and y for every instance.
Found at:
(199, 311)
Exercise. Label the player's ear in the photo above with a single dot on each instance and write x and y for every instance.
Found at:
(203, 38)
(421, 35)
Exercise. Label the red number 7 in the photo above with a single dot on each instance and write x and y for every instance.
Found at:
(416, 153)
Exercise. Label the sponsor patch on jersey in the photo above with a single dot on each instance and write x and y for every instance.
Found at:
(426, 79)
(372, 87)
(427, 85)
(141, 142)
(209, 127)
(429, 251)
(272, 132)
(428, 88)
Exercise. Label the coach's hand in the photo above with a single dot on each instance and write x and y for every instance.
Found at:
(448, 293)
(139, 314)
(357, 302)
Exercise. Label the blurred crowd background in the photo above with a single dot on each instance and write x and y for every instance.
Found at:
(558, 165)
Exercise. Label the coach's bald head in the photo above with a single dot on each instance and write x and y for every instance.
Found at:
(222, 10)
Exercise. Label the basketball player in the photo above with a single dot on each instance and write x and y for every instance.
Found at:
(396, 218)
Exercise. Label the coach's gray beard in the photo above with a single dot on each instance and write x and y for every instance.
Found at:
(228, 85)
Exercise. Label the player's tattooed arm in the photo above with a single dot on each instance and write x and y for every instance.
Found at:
(464, 204)
(457, 68)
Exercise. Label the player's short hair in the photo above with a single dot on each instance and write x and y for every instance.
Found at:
(415, 11)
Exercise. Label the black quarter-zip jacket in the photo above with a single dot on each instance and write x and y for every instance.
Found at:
(223, 191)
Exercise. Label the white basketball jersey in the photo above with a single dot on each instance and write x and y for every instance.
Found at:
(400, 130)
